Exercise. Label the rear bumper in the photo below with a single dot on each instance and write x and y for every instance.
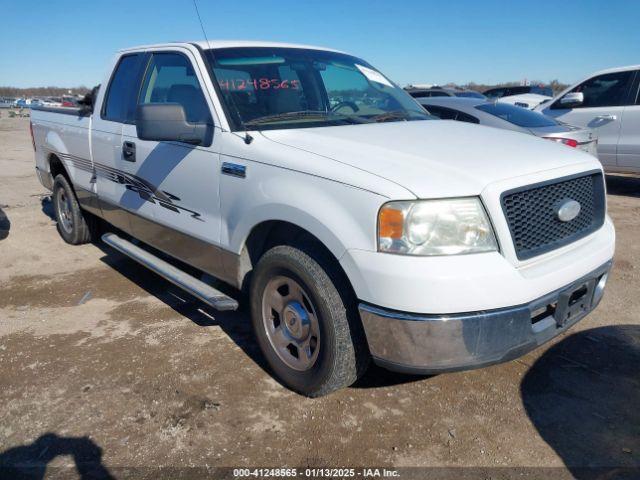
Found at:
(428, 344)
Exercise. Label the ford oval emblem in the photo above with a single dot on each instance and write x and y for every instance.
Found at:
(568, 210)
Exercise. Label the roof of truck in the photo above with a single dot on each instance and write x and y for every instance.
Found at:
(214, 44)
(616, 69)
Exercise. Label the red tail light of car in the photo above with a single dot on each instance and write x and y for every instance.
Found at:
(569, 142)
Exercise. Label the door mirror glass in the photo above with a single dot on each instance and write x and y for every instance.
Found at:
(572, 99)
(167, 122)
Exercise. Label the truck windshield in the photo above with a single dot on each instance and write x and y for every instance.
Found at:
(279, 88)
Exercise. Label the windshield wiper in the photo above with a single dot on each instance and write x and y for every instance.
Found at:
(302, 114)
(393, 115)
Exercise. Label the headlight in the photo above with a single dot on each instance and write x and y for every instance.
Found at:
(435, 227)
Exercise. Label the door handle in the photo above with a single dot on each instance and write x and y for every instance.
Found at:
(129, 151)
(606, 117)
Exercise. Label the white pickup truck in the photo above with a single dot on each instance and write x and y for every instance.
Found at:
(359, 227)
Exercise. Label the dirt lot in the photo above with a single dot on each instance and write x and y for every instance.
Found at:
(106, 365)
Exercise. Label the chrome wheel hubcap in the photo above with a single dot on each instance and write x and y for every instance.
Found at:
(64, 210)
(291, 323)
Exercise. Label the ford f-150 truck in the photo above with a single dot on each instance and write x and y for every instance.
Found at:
(357, 226)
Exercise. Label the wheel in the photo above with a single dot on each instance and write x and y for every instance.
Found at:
(308, 332)
(74, 225)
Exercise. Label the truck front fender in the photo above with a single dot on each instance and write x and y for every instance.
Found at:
(338, 215)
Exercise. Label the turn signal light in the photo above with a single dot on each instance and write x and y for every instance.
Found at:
(390, 223)
(569, 142)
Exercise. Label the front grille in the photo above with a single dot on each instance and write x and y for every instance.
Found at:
(532, 213)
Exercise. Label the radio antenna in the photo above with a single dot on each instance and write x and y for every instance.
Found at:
(247, 138)
(201, 24)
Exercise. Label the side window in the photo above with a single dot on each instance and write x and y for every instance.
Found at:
(495, 93)
(608, 90)
(170, 78)
(433, 110)
(465, 117)
(518, 90)
(442, 112)
(119, 104)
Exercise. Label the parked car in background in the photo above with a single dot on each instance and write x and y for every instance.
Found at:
(510, 117)
(6, 102)
(609, 103)
(442, 92)
(500, 92)
(69, 101)
(525, 100)
(51, 102)
(526, 96)
(27, 102)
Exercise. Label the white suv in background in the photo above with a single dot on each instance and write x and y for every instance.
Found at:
(608, 102)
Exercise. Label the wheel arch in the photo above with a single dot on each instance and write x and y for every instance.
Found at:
(56, 167)
(270, 233)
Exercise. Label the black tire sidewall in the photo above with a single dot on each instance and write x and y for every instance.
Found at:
(279, 263)
(78, 230)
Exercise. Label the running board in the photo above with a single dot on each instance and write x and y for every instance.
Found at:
(179, 278)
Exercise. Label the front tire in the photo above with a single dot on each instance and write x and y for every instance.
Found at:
(73, 224)
(306, 329)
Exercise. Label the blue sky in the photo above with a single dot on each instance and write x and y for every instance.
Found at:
(68, 42)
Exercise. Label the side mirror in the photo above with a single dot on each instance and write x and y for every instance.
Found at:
(572, 99)
(88, 102)
(167, 122)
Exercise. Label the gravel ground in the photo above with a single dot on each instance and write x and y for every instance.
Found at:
(107, 366)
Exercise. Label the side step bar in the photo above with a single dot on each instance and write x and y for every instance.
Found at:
(179, 278)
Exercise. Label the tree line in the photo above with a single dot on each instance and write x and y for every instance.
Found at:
(14, 92)
(555, 85)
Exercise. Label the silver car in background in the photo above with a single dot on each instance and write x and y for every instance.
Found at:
(510, 117)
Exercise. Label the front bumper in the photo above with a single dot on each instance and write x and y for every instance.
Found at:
(428, 344)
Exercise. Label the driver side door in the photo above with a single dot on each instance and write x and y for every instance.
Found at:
(175, 186)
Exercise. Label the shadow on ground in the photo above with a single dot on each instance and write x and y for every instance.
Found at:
(47, 207)
(377, 377)
(583, 396)
(623, 185)
(30, 461)
(237, 325)
(5, 225)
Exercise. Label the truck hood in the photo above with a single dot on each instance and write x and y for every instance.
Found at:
(431, 159)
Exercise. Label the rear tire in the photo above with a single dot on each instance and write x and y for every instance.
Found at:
(306, 322)
(74, 225)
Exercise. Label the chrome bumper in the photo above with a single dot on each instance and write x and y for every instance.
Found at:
(427, 344)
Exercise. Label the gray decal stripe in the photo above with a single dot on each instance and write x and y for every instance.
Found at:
(146, 190)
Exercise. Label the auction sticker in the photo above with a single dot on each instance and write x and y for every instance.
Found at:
(374, 75)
